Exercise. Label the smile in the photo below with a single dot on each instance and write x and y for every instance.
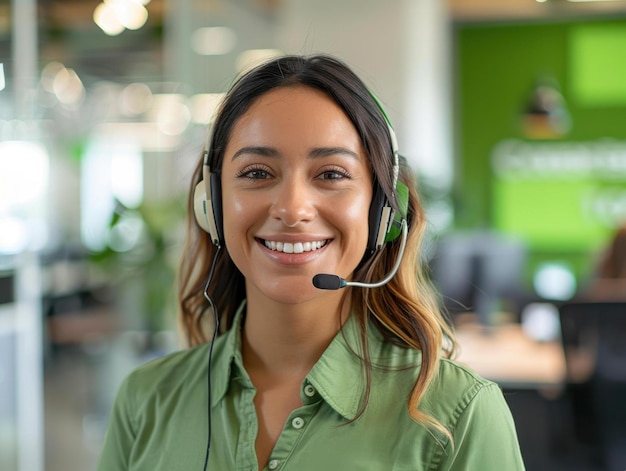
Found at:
(296, 247)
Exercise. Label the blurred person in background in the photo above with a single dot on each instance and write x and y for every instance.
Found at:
(609, 281)
(287, 368)
(613, 264)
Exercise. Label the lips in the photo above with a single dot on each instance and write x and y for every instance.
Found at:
(294, 247)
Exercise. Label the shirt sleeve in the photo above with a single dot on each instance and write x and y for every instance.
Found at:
(120, 434)
(484, 436)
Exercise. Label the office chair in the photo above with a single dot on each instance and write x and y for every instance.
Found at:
(594, 342)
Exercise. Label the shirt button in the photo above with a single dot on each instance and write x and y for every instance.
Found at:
(273, 464)
(297, 423)
(309, 390)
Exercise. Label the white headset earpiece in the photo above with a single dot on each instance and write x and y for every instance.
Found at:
(207, 200)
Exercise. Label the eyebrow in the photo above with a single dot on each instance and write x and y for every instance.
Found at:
(316, 152)
(327, 151)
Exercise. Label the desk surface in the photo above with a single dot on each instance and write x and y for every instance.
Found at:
(506, 355)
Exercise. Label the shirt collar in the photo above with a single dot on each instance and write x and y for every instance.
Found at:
(338, 376)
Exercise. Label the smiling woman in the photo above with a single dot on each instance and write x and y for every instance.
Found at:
(302, 177)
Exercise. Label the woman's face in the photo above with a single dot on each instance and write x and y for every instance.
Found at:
(296, 189)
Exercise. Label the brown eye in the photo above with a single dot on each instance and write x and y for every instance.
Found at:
(255, 173)
(334, 174)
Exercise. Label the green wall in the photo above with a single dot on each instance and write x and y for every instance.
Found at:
(567, 211)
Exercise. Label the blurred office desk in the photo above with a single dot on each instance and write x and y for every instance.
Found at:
(507, 356)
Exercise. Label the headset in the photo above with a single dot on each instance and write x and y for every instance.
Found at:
(384, 222)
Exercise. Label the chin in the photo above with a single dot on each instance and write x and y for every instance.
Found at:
(290, 292)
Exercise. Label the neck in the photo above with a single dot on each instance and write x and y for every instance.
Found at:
(287, 339)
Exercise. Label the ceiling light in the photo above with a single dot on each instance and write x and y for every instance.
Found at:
(68, 87)
(130, 13)
(106, 18)
(113, 16)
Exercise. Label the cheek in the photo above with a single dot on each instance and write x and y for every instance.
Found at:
(354, 218)
(236, 215)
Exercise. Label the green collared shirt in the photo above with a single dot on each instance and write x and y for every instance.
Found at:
(159, 419)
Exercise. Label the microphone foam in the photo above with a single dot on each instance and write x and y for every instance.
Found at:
(324, 281)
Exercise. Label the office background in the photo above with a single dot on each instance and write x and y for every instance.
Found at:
(512, 113)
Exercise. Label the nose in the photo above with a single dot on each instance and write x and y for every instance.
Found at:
(294, 202)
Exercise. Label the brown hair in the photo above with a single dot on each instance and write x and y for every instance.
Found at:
(406, 310)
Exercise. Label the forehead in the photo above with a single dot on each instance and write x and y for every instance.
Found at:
(296, 108)
(289, 95)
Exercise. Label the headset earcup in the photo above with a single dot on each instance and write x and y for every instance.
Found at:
(377, 220)
(209, 212)
(381, 228)
(199, 206)
(216, 206)
(402, 196)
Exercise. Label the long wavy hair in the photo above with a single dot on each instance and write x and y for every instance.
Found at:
(406, 310)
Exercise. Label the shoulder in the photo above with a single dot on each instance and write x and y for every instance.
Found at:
(175, 363)
(165, 374)
(474, 411)
(454, 389)
(459, 380)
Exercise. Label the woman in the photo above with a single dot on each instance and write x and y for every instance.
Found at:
(298, 180)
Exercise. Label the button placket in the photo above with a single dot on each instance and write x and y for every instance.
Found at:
(295, 426)
(297, 423)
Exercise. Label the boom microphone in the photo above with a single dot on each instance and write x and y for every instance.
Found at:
(333, 282)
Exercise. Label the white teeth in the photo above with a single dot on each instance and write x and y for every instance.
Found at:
(297, 247)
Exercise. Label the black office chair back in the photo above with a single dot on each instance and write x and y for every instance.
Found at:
(598, 330)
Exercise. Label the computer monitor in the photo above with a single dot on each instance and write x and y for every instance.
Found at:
(475, 270)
